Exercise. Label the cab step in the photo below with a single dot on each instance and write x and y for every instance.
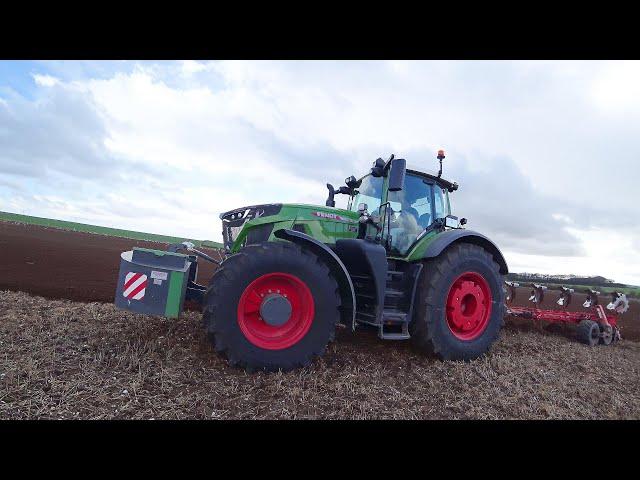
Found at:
(392, 273)
(360, 277)
(394, 336)
(370, 296)
(394, 318)
(391, 292)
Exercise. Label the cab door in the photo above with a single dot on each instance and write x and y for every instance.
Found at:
(407, 213)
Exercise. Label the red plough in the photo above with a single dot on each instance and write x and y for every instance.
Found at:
(594, 325)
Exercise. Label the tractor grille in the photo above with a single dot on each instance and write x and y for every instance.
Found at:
(232, 233)
(234, 220)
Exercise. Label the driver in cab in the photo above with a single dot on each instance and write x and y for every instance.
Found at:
(408, 223)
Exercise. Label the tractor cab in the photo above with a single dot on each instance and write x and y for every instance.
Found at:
(400, 205)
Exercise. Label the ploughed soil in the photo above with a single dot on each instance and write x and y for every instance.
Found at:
(67, 352)
(58, 263)
(64, 359)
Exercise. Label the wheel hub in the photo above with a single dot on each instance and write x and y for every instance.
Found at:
(275, 309)
(468, 306)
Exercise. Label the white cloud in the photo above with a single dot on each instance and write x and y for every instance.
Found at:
(562, 218)
(189, 67)
(617, 87)
(45, 80)
(606, 253)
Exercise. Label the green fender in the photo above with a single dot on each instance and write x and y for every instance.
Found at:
(339, 270)
(431, 246)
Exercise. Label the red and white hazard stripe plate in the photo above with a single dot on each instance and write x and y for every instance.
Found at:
(134, 286)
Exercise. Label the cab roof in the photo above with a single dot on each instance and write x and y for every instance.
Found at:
(451, 186)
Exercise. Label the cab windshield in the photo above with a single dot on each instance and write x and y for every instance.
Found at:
(410, 210)
(369, 192)
(413, 209)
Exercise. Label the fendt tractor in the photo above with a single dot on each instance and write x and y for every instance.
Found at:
(395, 260)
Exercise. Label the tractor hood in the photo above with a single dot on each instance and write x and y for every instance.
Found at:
(233, 221)
(239, 222)
(251, 212)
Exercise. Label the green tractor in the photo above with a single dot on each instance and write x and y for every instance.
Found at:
(395, 260)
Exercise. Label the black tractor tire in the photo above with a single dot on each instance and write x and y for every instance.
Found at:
(221, 306)
(430, 328)
(588, 332)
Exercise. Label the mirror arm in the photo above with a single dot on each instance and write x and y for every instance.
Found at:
(330, 201)
(332, 191)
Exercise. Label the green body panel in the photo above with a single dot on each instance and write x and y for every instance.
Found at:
(175, 296)
(325, 224)
(416, 253)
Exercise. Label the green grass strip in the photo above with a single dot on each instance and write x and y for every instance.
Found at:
(114, 232)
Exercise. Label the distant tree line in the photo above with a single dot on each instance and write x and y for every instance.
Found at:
(596, 281)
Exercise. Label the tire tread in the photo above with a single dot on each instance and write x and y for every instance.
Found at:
(428, 303)
(223, 280)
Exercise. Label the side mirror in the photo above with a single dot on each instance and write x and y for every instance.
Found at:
(463, 221)
(396, 174)
(378, 168)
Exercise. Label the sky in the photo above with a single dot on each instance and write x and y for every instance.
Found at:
(547, 153)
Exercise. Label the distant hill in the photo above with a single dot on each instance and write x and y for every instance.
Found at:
(595, 281)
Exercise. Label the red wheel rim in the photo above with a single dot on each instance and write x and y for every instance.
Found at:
(468, 306)
(271, 337)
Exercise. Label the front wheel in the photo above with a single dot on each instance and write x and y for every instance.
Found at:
(459, 307)
(272, 306)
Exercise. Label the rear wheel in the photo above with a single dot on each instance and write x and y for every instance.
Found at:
(272, 306)
(460, 304)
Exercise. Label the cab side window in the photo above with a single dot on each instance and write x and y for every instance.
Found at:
(369, 192)
(440, 202)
